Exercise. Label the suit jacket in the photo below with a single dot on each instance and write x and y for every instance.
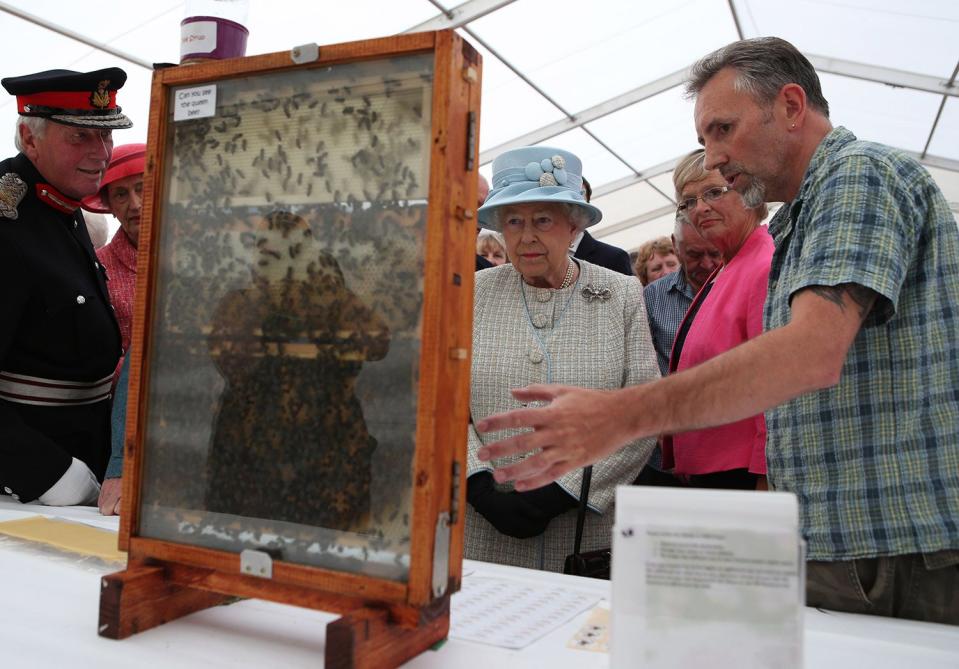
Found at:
(603, 254)
(566, 338)
(58, 334)
(482, 263)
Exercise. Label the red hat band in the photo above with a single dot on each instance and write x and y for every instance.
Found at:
(68, 100)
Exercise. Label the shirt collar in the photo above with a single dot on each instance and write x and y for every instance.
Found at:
(681, 284)
(46, 193)
(834, 140)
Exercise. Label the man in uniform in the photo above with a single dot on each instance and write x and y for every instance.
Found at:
(59, 339)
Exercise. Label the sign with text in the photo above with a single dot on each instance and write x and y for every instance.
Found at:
(706, 578)
(193, 103)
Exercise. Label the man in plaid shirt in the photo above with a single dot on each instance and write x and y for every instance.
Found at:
(858, 368)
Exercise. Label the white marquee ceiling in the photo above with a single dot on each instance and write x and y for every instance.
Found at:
(601, 79)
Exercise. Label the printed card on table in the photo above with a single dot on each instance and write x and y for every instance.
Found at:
(706, 578)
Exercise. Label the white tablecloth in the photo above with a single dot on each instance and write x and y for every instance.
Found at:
(48, 618)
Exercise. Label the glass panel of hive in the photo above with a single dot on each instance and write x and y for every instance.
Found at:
(286, 324)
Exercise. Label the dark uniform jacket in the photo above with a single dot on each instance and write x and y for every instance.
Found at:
(59, 339)
(603, 254)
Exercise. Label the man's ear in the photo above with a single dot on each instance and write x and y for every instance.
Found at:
(792, 99)
(28, 140)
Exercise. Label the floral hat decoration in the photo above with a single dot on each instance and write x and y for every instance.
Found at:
(536, 174)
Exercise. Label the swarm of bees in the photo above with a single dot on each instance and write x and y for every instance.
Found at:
(313, 342)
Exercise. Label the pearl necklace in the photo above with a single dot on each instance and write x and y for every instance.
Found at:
(568, 280)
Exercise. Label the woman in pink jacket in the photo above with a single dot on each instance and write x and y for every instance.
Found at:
(727, 311)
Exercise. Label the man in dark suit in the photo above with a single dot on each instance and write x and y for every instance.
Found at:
(59, 338)
(592, 250)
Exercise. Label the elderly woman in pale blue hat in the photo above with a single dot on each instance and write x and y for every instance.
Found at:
(548, 318)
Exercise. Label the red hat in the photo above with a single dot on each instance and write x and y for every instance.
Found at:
(127, 160)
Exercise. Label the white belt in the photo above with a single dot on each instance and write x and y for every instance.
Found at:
(52, 392)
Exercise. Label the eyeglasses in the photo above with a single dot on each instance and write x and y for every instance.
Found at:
(709, 195)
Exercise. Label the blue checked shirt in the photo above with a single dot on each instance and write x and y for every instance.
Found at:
(667, 300)
(875, 459)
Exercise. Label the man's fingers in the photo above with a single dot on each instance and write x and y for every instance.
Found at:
(527, 468)
(511, 419)
(515, 445)
(536, 392)
(541, 479)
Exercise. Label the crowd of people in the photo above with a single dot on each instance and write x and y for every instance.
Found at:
(813, 355)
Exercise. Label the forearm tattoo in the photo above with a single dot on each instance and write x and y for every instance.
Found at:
(863, 297)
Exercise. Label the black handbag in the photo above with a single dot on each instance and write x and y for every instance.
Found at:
(591, 564)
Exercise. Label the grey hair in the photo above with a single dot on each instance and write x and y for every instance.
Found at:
(576, 215)
(764, 65)
(692, 168)
(681, 222)
(36, 124)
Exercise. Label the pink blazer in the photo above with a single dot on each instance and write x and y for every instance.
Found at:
(731, 314)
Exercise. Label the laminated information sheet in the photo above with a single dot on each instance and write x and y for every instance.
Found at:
(706, 578)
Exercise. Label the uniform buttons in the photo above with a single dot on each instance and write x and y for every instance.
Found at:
(81, 299)
(540, 320)
(535, 357)
(7, 490)
(96, 265)
(544, 295)
(74, 225)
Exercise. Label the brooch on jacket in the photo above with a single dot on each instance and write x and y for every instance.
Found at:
(12, 190)
(592, 293)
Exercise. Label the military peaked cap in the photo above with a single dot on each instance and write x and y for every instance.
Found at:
(83, 99)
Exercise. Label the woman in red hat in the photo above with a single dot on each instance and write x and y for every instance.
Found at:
(120, 194)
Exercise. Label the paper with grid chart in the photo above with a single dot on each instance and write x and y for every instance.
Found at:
(513, 614)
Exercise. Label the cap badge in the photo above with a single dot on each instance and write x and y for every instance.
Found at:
(12, 190)
(100, 98)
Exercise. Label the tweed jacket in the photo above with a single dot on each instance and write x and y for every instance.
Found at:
(523, 335)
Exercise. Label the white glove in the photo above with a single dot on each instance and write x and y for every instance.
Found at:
(77, 486)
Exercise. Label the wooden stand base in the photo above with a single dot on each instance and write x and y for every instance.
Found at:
(368, 638)
(368, 635)
(142, 597)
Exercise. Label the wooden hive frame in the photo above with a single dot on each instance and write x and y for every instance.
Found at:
(385, 622)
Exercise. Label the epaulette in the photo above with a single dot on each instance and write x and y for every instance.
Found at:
(12, 191)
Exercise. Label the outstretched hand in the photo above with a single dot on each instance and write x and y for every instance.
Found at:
(576, 428)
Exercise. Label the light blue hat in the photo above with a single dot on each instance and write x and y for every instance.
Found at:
(536, 174)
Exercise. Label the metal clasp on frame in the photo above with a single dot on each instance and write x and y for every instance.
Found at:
(441, 555)
(305, 53)
(256, 563)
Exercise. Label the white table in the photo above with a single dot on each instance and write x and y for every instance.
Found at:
(50, 602)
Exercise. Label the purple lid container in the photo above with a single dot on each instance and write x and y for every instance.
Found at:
(211, 38)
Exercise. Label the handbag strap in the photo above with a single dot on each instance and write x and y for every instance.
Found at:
(583, 502)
